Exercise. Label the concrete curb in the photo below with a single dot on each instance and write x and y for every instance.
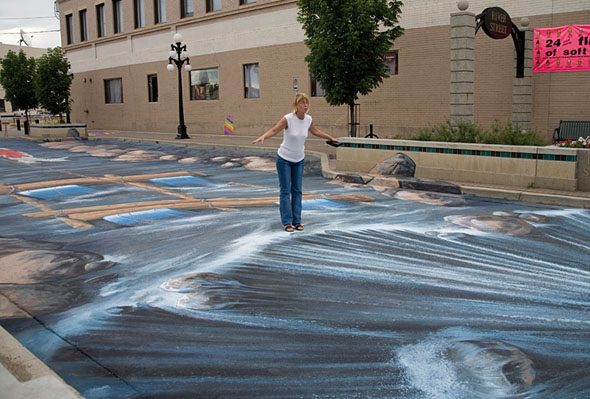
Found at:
(324, 160)
(528, 196)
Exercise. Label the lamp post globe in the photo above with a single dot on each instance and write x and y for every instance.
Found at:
(178, 56)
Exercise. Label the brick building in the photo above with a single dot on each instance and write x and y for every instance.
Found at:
(247, 56)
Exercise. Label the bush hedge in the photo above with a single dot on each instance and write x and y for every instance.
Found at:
(468, 132)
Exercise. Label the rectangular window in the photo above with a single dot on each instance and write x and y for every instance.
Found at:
(118, 16)
(152, 88)
(101, 22)
(83, 25)
(160, 11)
(213, 5)
(316, 89)
(188, 8)
(205, 84)
(139, 11)
(113, 91)
(2, 106)
(251, 81)
(391, 62)
(69, 29)
(242, 2)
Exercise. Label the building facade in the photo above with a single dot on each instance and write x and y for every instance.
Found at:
(247, 59)
(5, 105)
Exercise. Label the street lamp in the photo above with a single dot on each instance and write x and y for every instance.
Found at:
(178, 56)
(68, 110)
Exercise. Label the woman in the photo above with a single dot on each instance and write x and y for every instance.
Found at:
(295, 126)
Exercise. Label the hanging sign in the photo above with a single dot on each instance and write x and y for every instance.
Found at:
(496, 23)
(564, 48)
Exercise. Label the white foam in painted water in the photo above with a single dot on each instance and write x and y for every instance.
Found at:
(180, 181)
(132, 218)
(57, 191)
(452, 367)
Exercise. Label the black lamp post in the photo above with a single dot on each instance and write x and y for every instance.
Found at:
(68, 110)
(178, 56)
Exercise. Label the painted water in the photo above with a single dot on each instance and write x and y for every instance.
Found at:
(392, 296)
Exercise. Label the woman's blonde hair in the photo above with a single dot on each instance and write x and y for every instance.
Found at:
(298, 98)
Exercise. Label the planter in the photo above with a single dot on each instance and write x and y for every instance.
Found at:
(57, 131)
(518, 166)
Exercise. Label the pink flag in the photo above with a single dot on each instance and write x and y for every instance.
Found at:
(564, 48)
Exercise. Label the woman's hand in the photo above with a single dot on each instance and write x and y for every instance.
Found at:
(258, 140)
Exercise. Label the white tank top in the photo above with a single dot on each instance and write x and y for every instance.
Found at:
(293, 146)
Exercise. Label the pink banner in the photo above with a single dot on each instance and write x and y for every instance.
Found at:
(565, 48)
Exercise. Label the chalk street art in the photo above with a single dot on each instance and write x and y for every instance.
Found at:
(151, 271)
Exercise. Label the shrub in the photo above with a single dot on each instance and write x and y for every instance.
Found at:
(464, 132)
(468, 132)
(509, 134)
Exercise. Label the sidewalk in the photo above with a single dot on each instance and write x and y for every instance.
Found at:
(22, 375)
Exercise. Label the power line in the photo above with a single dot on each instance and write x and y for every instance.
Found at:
(39, 31)
(7, 18)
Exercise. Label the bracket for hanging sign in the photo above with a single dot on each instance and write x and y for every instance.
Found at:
(497, 24)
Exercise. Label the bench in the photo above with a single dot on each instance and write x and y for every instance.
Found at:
(571, 130)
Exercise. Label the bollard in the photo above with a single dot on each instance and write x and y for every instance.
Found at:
(18, 124)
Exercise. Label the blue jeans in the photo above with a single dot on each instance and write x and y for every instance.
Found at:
(290, 184)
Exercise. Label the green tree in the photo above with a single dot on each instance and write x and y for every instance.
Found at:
(348, 42)
(16, 76)
(52, 82)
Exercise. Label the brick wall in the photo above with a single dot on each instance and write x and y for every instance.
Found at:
(416, 98)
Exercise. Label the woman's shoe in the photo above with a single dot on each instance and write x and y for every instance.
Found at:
(298, 226)
(289, 228)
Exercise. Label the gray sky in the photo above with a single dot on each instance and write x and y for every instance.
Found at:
(24, 14)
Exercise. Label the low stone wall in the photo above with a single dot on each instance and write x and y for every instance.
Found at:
(519, 166)
(57, 131)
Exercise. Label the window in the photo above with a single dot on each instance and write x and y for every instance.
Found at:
(101, 22)
(152, 88)
(2, 106)
(242, 2)
(213, 5)
(83, 25)
(391, 62)
(187, 8)
(139, 11)
(118, 16)
(69, 29)
(205, 84)
(160, 11)
(113, 91)
(251, 81)
(316, 89)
